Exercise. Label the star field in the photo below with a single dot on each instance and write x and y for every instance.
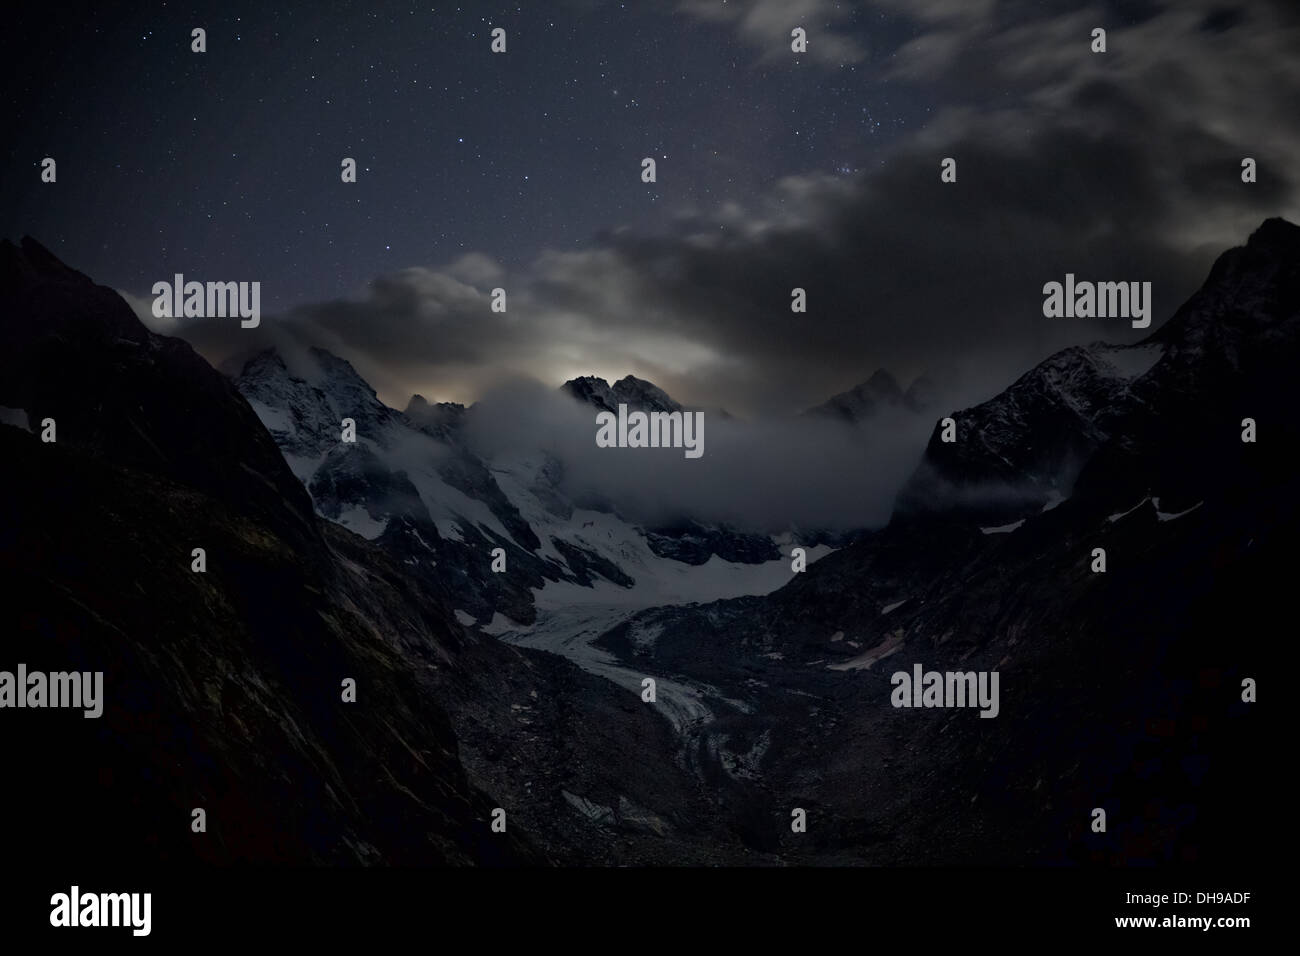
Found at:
(227, 162)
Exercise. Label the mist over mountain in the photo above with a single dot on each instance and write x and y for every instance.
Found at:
(500, 587)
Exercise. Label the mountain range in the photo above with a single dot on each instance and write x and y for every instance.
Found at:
(521, 689)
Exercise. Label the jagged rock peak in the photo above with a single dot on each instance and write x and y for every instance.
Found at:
(629, 390)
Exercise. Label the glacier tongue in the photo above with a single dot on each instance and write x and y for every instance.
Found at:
(571, 617)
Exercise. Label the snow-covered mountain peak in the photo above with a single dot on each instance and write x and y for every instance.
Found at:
(302, 400)
(629, 390)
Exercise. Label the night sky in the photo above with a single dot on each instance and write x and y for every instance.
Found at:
(228, 162)
(775, 170)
